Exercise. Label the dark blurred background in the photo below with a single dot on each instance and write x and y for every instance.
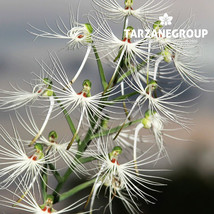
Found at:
(192, 187)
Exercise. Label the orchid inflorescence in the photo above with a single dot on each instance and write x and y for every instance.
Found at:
(148, 79)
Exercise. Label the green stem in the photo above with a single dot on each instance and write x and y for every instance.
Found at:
(100, 67)
(55, 172)
(86, 160)
(65, 177)
(68, 118)
(122, 77)
(114, 130)
(61, 183)
(123, 97)
(76, 189)
(44, 181)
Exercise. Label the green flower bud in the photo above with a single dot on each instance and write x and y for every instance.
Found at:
(52, 136)
(50, 199)
(117, 149)
(38, 147)
(89, 28)
(87, 83)
(153, 83)
(130, 29)
(87, 87)
(49, 93)
(148, 113)
(47, 81)
(157, 25)
(167, 54)
(128, 3)
(146, 123)
(151, 86)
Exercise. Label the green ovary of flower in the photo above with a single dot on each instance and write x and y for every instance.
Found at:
(47, 207)
(87, 87)
(89, 28)
(129, 30)
(151, 86)
(129, 3)
(52, 136)
(38, 147)
(39, 152)
(47, 81)
(146, 123)
(117, 150)
(167, 55)
(157, 25)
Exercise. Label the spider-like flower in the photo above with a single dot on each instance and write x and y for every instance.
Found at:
(153, 121)
(181, 51)
(53, 147)
(30, 204)
(122, 180)
(19, 164)
(147, 12)
(91, 106)
(189, 70)
(77, 35)
(185, 64)
(117, 50)
(163, 104)
(19, 97)
(177, 42)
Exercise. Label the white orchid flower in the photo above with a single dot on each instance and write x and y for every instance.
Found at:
(121, 179)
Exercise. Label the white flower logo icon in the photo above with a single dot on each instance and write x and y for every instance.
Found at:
(166, 19)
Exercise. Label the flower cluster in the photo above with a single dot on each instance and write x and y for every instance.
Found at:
(149, 77)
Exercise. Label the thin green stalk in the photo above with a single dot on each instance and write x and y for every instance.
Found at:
(76, 189)
(68, 118)
(55, 172)
(123, 97)
(86, 160)
(126, 74)
(114, 130)
(65, 177)
(100, 67)
(60, 184)
(44, 181)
